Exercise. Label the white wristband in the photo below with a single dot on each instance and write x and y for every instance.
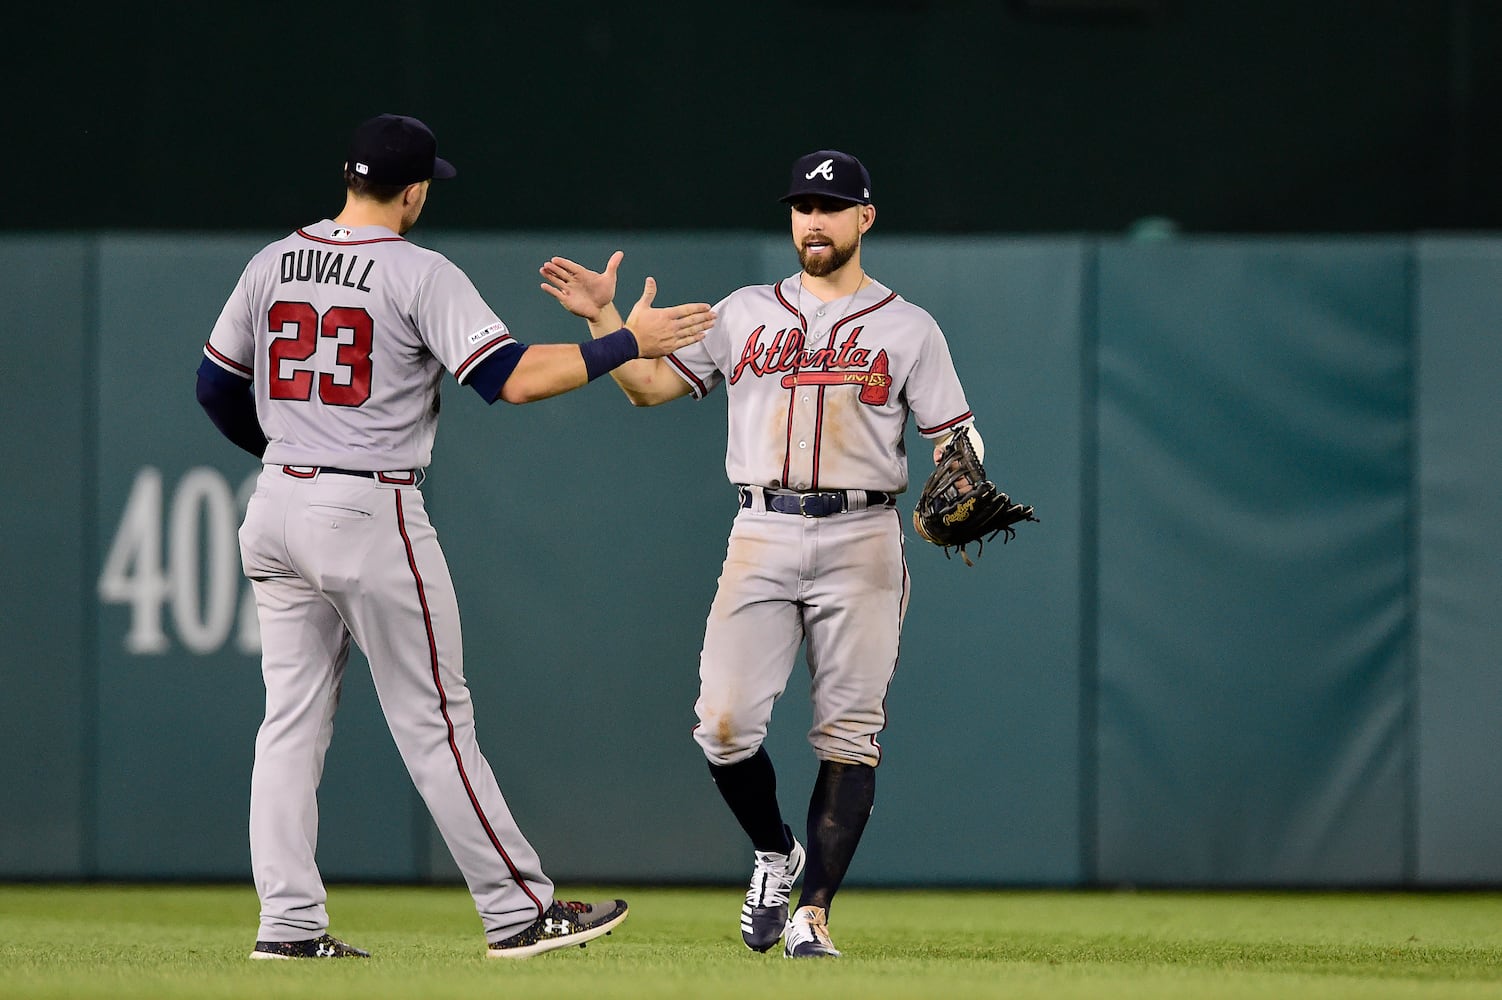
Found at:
(975, 441)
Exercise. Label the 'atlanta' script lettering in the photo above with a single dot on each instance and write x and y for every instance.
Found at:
(785, 353)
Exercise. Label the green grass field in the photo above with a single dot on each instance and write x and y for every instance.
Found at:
(190, 942)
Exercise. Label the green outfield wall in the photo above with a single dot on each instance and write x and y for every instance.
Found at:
(1254, 640)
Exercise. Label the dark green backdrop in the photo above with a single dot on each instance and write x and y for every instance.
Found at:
(973, 115)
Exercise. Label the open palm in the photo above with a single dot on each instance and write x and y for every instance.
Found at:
(578, 289)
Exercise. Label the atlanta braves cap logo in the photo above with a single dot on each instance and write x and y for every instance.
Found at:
(832, 174)
(824, 170)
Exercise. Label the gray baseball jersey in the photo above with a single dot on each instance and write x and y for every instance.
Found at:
(305, 312)
(820, 411)
(346, 334)
(826, 410)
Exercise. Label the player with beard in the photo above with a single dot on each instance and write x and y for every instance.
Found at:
(822, 370)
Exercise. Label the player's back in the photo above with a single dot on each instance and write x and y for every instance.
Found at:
(344, 374)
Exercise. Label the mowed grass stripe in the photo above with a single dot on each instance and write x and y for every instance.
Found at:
(174, 941)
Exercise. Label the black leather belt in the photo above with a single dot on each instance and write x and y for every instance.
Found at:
(347, 472)
(818, 504)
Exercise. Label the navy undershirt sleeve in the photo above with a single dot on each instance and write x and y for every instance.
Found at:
(489, 375)
(230, 402)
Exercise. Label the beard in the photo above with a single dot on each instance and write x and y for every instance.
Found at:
(827, 263)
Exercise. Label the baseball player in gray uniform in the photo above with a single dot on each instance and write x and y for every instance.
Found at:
(325, 363)
(822, 370)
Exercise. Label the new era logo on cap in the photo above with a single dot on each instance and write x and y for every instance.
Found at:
(396, 149)
(830, 173)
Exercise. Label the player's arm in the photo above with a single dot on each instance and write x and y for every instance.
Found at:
(226, 386)
(545, 370)
(526, 373)
(590, 295)
(230, 402)
(935, 396)
(645, 381)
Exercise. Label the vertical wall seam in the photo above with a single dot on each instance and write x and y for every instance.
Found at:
(1413, 529)
(1089, 567)
(88, 616)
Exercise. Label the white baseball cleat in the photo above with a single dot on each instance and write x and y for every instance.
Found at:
(807, 935)
(765, 912)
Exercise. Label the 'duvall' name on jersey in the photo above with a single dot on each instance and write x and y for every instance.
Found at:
(325, 267)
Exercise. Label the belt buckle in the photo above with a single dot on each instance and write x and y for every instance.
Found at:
(821, 510)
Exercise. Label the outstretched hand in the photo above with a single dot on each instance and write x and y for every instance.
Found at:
(663, 331)
(583, 292)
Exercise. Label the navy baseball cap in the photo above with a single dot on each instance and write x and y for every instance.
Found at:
(396, 149)
(830, 173)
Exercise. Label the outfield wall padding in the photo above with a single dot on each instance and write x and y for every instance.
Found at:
(1251, 642)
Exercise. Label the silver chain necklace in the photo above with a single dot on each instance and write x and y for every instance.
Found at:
(823, 307)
